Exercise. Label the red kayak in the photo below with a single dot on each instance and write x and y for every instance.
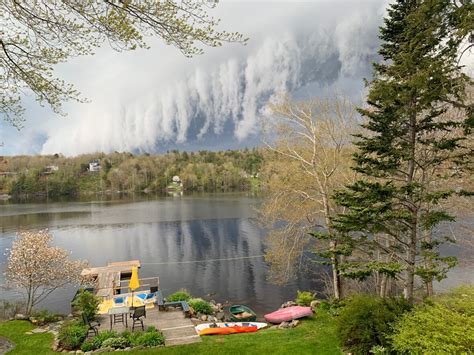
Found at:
(289, 313)
(228, 330)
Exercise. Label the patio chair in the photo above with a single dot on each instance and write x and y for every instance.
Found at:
(137, 316)
(93, 326)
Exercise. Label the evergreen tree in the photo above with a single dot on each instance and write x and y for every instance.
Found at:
(418, 122)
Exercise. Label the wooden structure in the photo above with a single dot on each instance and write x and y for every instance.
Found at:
(108, 278)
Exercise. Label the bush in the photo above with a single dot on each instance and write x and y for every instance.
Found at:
(103, 336)
(150, 339)
(366, 321)
(44, 317)
(88, 346)
(304, 298)
(8, 309)
(87, 303)
(116, 343)
(182, 295)
(72, 335)
(439, 326)
(200, 306)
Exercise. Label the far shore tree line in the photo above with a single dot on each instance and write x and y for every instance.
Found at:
(55, 175)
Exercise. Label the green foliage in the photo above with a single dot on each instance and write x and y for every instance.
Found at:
(88, 345)
(151, 337)
(116, 343)
(200, 306)
(414, 136)
(102, 336)
(365, 321)
(182, 295)
(87, 303)
(304, 298)
(72, 335)
(44, 317)
(443, 324)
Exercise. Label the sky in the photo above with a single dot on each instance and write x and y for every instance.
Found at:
(156, 100)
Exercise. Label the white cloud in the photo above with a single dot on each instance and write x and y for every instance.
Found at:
(149, 99)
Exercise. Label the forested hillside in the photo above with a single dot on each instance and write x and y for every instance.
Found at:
(56, 175)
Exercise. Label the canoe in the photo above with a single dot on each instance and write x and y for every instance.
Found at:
(239, 313)
(228, 328)
(203, 326)
(289, 313)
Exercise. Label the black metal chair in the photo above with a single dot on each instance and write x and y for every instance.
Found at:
(93, 326)
(137, 316)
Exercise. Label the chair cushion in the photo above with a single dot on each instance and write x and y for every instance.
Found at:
(119, 300)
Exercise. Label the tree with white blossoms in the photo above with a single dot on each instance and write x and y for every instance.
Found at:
(37, 269)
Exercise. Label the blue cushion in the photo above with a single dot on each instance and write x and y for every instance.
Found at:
(119, 300)
(141, 295)
(150, 296)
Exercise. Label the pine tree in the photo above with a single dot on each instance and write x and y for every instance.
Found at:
(418, 122)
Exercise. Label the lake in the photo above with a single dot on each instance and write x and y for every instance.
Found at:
(185, 240)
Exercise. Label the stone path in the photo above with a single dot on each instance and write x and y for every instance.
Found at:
(176, 328)
(5, 345)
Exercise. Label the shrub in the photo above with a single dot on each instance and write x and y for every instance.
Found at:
(102, 336)
(116, 343)
(200, 306)
(304, 298)
(8, 309)
(182, 295)
(87, 303)
(88, 346)
(439, 326)
(150, 339)
(366, 321)
(44, 317)
(72, 335)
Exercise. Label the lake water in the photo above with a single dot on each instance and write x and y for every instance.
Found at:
(168, 235)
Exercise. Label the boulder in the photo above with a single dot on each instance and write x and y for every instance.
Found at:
(39, 330)
(220, 316)
(294, 323)
(288, 304)
(204, 317)
(314, 304)
(20, 316)
(284, 325)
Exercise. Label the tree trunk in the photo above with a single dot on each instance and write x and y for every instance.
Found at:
(336, 277)
(383, 285)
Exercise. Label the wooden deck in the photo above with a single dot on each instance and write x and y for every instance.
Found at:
(120, 267)
(176, 328)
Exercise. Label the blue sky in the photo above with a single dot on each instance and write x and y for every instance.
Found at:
(154, 100)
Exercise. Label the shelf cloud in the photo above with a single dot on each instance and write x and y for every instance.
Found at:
(155, 100)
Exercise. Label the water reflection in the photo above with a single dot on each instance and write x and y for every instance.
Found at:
(160, 233)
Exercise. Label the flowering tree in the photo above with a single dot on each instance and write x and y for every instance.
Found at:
(36, 268)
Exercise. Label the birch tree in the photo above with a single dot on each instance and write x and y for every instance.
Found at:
(309, 158)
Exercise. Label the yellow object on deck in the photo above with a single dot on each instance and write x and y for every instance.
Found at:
(134, 281)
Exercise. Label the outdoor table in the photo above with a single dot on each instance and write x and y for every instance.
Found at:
(123, 311)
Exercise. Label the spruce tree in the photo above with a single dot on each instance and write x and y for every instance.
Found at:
(417, 125)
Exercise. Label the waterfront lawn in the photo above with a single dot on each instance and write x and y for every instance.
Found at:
(313, 336)
(26, 344)
(316, 335)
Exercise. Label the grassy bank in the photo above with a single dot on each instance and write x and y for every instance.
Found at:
(313, 336)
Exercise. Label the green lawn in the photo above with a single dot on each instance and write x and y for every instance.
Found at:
(313, 336)
(26, 344)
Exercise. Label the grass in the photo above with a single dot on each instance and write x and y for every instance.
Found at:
(316, 335)
(26, 344)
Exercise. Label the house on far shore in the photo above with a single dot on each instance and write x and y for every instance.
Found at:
(94, 166)
(51, 169)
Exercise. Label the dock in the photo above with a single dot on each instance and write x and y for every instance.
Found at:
(176, 328)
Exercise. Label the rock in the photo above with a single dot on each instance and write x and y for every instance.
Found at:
(314, 304)
(220, 316)
(284, 325)
(79, 352)
(70, 315)
(28, 333)
(294, 323)
(139, 347)
(288, 304)
(127, 349)
(273, 327)
(204, 317)
(39, 330)
(88, 353)
(104, 350)
(20, 316)
(195, 319)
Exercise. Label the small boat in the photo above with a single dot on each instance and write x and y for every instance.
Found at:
(239, 313)
(289, 313)
(228, 328)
